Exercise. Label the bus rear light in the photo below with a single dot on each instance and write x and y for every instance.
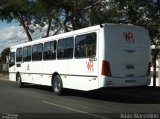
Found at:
(106, 70)
(149, 69)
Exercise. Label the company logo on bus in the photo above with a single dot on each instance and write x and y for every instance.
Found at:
(89, 65)
(128, 37)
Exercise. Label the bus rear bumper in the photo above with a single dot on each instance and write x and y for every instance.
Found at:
(124, 82)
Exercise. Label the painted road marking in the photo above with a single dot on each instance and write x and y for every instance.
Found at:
(79, 111)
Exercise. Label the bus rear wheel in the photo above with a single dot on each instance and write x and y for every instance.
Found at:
(20, 84)
(57, 85)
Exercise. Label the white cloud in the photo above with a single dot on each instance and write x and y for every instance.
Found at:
(11, 32)
(11, 35)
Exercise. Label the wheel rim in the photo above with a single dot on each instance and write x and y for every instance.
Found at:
(57, 85)
(18, 80)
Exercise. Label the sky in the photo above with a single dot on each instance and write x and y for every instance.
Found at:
(11, 34)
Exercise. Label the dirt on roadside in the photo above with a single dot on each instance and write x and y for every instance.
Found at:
(4, 76)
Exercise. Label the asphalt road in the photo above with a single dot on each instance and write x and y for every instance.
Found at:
(34, 101)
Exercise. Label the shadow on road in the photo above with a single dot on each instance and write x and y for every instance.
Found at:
(139, 95)
(145, 95)
(38, 87)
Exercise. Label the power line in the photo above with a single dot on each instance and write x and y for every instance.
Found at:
(13, 39)
(10, 38)
(19, 40)
(16, 41)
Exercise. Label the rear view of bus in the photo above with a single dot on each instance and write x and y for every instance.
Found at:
(125, 57)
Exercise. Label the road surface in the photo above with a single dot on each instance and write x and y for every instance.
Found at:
(35, 101)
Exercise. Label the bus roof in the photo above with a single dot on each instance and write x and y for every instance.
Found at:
(71, 33)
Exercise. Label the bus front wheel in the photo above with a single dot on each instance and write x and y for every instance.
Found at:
(20, 84)
(57, 85)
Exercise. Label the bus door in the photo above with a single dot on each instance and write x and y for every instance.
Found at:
(12, 66)
(83, 69)
(35, 68)
(19, 60)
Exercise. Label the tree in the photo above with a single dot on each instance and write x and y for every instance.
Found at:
(5, 53)
(47, 13)
(19, 10)
(66, 15)
(58, 15)
(143, 13)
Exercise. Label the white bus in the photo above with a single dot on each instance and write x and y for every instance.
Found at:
(106, 55)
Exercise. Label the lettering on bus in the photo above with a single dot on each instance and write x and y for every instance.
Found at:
(89, 65)
(129, 37)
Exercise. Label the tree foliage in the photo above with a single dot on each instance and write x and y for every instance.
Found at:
(143, 13)
(5, 53)
(19, 10)
(66, 15)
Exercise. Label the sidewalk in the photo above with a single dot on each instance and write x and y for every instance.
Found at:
(6, 77)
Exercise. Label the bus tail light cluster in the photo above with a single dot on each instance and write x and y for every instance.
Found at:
(106, 70)
(149, 69)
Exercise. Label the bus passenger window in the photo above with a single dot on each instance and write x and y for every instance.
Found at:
(37, 52)
(65, 48)
(27, 53)
(49, 52)
(85, 45)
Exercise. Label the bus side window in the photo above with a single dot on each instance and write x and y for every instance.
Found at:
(49, 51)
(37, 52)
(19, 55)
(65, 48)
(27, 53)
(85, 45)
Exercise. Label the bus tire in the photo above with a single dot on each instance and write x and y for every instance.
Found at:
(20, 84)
(57, 85)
